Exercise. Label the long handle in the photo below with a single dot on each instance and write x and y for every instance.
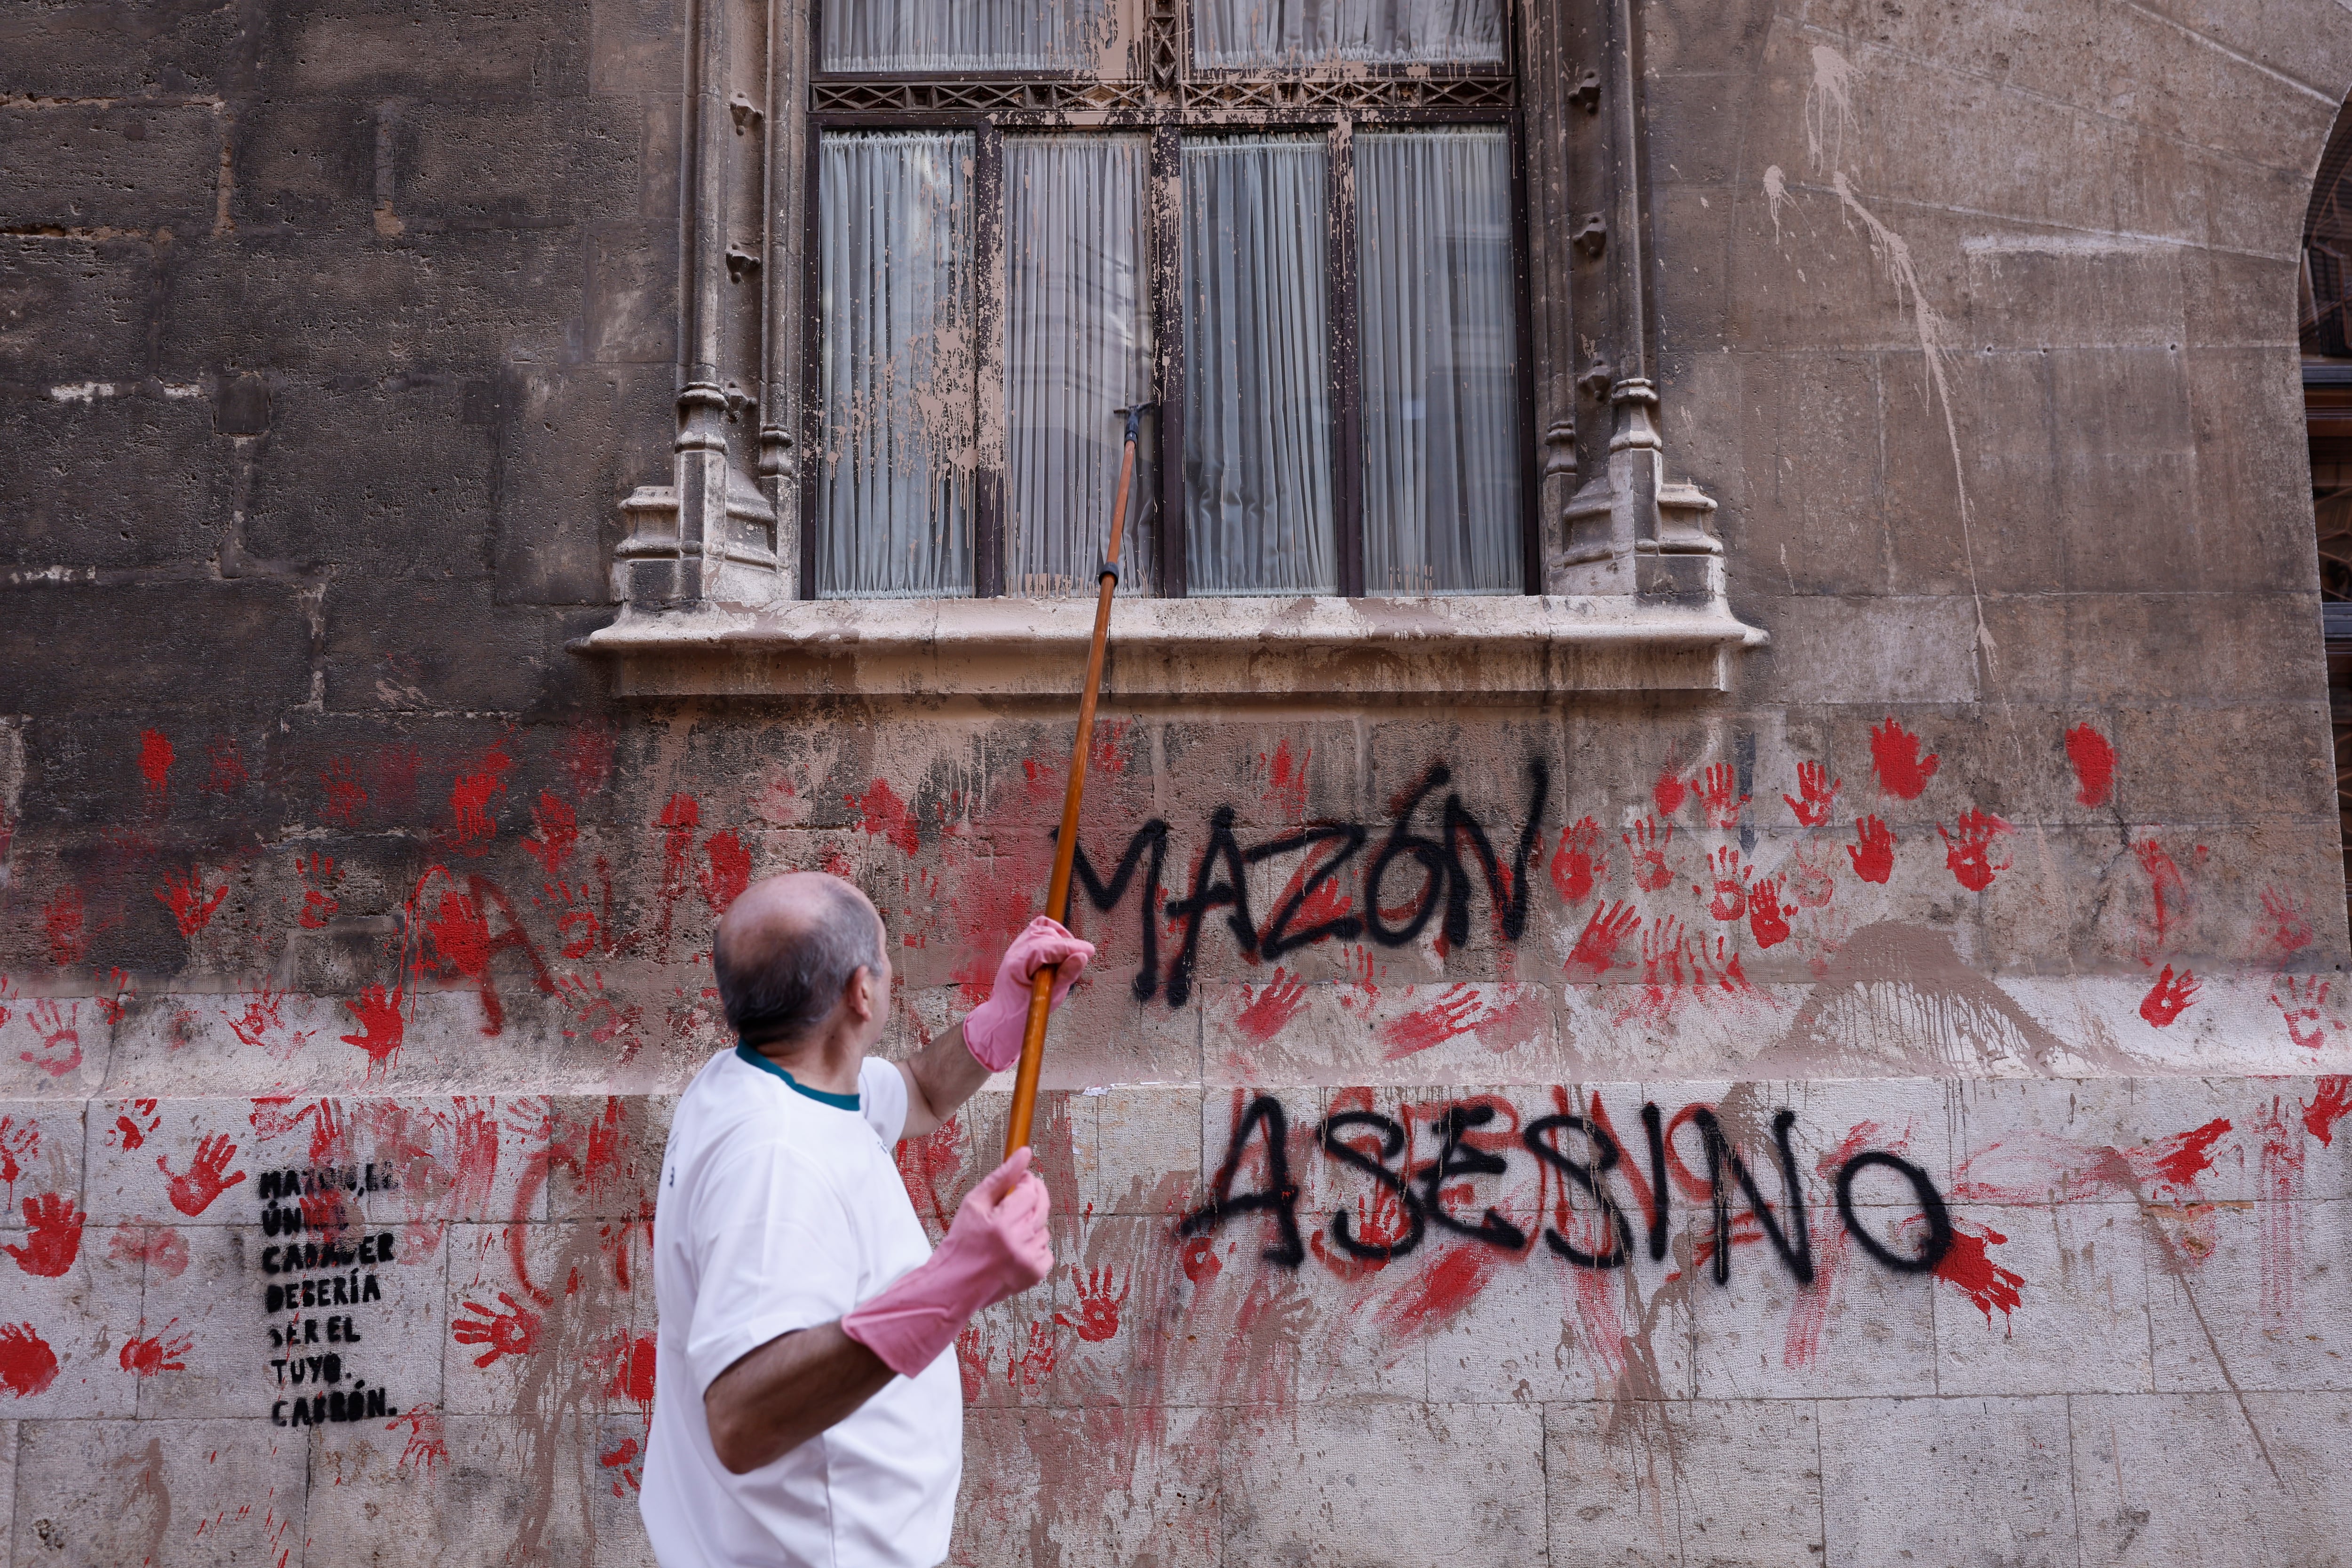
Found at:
(1065, 846)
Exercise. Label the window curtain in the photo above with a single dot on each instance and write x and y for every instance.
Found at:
(975, 36)
(1257, 380)
(1077, 346)
(1231, 35)
(894, 482)
(1439, 333)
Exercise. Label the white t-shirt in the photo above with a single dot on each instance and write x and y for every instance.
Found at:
(782, 1209)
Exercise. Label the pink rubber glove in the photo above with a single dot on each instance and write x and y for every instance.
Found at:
(997, 1246)
(993, 1030)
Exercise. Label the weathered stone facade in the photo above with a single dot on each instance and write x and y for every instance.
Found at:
(350, 897)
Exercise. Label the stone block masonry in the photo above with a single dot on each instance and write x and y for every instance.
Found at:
(1891, 1108)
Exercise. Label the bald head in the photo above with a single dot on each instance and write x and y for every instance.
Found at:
(787, 949)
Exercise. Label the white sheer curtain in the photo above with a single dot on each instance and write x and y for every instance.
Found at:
(894, 485)
(976, 34)
(1077, 346)
(1236, 34)
(1257, 380)
(1440, 362)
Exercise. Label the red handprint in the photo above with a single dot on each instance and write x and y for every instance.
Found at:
(2305, 1003)
(162, 1353)
(1730, 899)
(345, 794)
(194, 1193)
(377, 1014)
(1812, 881)
(1578, 863)
(317, 871)
(555, 832)
(111, 1006)
(1662, 954)
(727, 871)
(61, 1047)
(1724, 963)
(1596, 947)
(1818, 793)
(1028, 1368)
(1872, 851)
(1970, 855)
(1719, 796)
(28, 1365)
(1647, 844)
(1768, 917)
(2285, 922)
(514, 1332)
(1895, 756)
(52, 1236)
(17, 1144)
(1098, 1308)
(2169, 997)
(192, 907)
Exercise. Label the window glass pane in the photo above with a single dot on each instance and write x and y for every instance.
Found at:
(1077, 347)
(894, 478)
(1240, 34)
(1257, 380)
(978, 35)
(1440, 362)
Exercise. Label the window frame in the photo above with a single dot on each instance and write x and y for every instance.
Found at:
(1162, 106)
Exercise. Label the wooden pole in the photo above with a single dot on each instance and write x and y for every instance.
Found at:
(1065, 846)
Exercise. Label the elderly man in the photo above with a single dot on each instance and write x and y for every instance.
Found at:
(807, 1411)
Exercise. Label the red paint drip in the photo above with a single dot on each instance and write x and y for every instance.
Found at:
(2093, 761)
(1894, 757)
(2171, 894)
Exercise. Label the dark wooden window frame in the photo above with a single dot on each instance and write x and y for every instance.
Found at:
(990, 104)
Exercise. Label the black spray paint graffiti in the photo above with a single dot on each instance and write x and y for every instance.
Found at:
(1419, 1190)
(321, 1263)
(1220, 881)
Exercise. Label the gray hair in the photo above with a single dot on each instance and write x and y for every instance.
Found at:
(787, 990)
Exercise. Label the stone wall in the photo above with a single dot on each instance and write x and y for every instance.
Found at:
(340, 904)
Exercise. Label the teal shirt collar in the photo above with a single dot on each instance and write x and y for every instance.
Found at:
(754, 1058)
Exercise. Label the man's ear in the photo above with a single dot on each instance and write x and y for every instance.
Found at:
(859, 994)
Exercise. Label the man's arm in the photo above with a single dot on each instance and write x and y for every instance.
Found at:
(779, 1396)
(939, 1079)
(943, 1074)
(786, 1391)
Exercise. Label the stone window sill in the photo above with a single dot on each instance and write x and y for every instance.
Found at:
(1515, 646)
